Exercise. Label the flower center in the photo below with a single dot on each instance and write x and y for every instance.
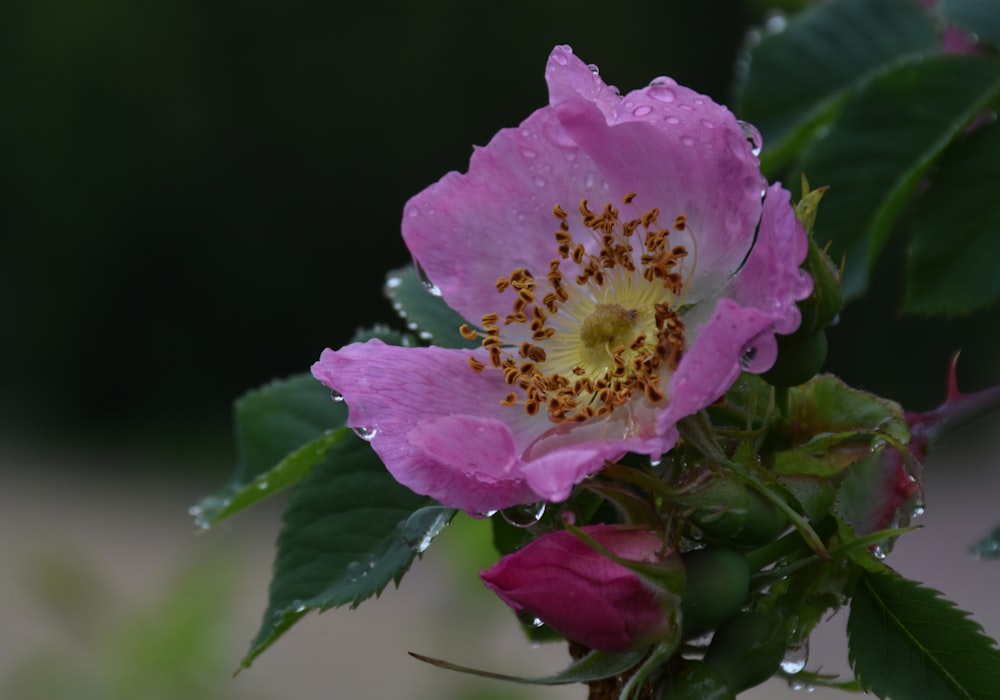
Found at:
(584, 345)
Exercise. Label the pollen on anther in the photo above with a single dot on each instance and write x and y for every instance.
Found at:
(476, 365)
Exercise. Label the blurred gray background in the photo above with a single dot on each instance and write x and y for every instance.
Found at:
(196, 197)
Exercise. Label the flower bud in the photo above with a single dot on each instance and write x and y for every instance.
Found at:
(584, 595)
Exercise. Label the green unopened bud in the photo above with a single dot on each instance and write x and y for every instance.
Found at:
(746, 650)
(800, 358)
(698, 681)
(825, 302)
(726, 510)
(718, 582)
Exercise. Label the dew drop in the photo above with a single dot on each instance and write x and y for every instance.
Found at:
(662, 92)
(879, 551)
(642, 110)
(525, 515)
(528, 153)
(687, 140)
(298, 606)
(425, 280)
(339, 398)
(795, 657)
(753, 137)
(747, 357)
(263, 485)
(366, 434)
(356, 571)
(708, 123)
(559, 58)
(594, 69)
(529, 619)
(539, 181)
(673, 120)
(423, 526)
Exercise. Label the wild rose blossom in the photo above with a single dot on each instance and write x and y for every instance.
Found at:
(621, 259)
(581, 593)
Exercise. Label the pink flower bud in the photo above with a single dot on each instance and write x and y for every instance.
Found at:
(582, 594)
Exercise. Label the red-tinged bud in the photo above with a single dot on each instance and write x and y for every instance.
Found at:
(584, 595)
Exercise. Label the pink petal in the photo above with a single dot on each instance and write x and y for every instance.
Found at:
(467, 230)
(415, 400)
(711, 365)
(771, 279)
(681, 153)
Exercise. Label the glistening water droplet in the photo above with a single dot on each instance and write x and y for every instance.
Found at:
(524, 515)
(753, 137)
(425, 280)
(747, 357)
(356, 571)
(424, 525)
(795, 657)
(366, 434)
(528, 619)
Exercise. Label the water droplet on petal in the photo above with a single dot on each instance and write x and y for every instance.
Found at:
(365, 433)
(594, 69)
(425, 280)
(795, 657)
(539, 181)
(642, 110)
(747, 357)
(339, 398)
(753, 137)
(524, 515)
(673, 120)
(662, 92)
(528, 153)
(687, 140)
(559, 58)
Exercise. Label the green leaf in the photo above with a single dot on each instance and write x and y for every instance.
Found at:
(882, 145)
(909, 643)
(291, 469)
(425, 313)
(979, 17)
(595, 666)
(797, 78)
(951, 262)
(348, 531)
(282, 430)
(833, 426)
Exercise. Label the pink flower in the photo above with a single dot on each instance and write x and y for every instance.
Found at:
(622, 259)
(583, 595)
